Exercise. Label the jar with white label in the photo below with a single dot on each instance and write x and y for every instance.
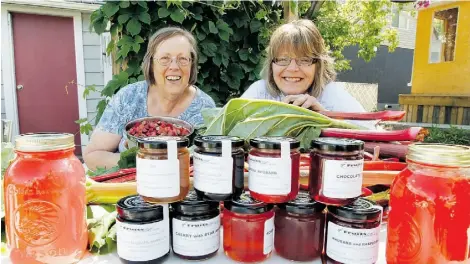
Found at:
(162, 169)
(142, 231)
(336, 170)
(352, 232)
(218, 163)
(248, 226)
(195, 226)
(274, 169)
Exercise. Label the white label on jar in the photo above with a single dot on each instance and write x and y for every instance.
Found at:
(342, 178)
(214, 174)
(159, 178)
(350, 245)
(196, 238)
(271, 176)
(268, 243)
(142, 242)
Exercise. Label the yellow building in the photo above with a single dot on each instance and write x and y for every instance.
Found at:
(440, 85)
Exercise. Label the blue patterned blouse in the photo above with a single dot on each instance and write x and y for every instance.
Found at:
(130, 103)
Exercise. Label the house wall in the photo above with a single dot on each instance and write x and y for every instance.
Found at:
(4, 115)
(450, 78)
(407, 36)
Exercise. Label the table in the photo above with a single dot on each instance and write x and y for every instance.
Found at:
(220, 258)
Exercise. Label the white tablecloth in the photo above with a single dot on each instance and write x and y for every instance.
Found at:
(220, 258)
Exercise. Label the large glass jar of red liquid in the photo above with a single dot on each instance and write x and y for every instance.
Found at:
(45, 205)
(274, 169)
(336, 170)
(429, 220)
(248, 227)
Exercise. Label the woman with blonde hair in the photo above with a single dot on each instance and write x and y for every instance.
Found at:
(298, 70)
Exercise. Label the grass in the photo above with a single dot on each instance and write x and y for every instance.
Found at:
(453, 135)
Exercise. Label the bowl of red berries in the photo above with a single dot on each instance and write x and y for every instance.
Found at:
(156, 126)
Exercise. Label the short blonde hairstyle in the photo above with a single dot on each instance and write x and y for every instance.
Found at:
(160, 36)
(303, 39)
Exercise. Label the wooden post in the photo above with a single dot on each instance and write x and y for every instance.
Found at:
(291, 10)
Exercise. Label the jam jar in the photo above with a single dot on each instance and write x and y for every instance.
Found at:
(45, 201)
(162, 169)
(429, 220)
(274, 169)
(195, 228)
(219, 164)
(352, 232)
(300, 227)
(336, 170)
(142, 231)
(248, 227)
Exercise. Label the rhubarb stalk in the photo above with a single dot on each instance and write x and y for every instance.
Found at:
(387, 115)
(388, 149)
(409, 134)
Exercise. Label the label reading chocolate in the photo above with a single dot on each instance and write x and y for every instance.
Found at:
(342, 178)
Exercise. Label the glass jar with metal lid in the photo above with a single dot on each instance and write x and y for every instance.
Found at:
(274, 169)
(162, 169)
(429, 217)
(300, 227)
(218, 163)
(45, 194)
(142, 232)
(195, 228)
(336, 170)
(248, 226)
(352, 232)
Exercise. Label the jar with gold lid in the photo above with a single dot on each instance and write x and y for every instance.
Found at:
(45, 201)
(430, 212)
(162, 169)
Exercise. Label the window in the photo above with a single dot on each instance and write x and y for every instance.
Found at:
(400, 19)
(444, 30)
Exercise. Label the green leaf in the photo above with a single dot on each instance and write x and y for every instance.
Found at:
(124, 4)
(163, 12)
(201, 36)
(224, 35)
(261, 14)
(255, 25)
(143, 4)
(138, 39)
(177, 15)
(243, 54)
(141, 77)
(145, 17)
(100, 25)
(224, 26)
(202, 58)
(217, 60)
(236, 71)
(100, 109)
(110, 8)
(136, 47)
(208, 114)
(209, 48)
(123, 18)
(81, 120)
(134, 27)
(212, 28)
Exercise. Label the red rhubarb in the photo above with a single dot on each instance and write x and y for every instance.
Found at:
(384, 165)
(387, 115)
(109, 176)
(125, 178)
(409, 134)
(388, 149)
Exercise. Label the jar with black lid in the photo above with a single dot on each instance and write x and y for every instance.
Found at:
(218, 163)
(336, 170)
(300, 227)
(195, 228)
(248, 229)
(142, 231)
(352, 233)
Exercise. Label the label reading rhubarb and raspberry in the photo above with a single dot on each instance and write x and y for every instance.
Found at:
(159, 178)
(342, 178)
(350, 245)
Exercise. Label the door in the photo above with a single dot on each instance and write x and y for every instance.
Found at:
(44, 53)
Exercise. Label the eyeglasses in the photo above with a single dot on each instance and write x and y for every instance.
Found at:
(167, 60)
(304, 61)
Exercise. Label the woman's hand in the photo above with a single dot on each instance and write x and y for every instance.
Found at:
(305, 101)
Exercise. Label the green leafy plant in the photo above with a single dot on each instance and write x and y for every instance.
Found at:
(453, 135)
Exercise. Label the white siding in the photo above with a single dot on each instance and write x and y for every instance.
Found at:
(4, 115)
(405, 24)
(94, 75)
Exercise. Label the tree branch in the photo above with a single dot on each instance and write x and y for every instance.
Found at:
(314, 7)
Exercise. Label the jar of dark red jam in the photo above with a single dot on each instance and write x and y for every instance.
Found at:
(195, 228)
(336, 170)
(248, 229)
(274, 169)
(300, 227)
(142, 231)
(352, 232)
(218, 163)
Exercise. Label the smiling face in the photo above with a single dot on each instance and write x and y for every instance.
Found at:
(172, 76)
(293, 79)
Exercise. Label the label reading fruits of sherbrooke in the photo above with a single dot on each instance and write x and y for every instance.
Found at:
(196, 238)
(159, 178)
(350, 245)
(214, 174)
(268, 243)
(271, 176)
(342, 178)
(142, 242)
